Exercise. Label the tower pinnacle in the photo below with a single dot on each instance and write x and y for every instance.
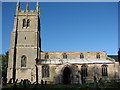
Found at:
(37, 6)
(17, 6)
(27, 7)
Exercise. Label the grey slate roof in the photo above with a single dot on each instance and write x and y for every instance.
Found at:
(114, 57)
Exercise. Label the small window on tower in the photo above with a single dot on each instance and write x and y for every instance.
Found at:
(24, 22)
(28, 22)
(23, 61)
(25, 38)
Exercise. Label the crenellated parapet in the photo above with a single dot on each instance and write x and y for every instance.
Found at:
(22, 12)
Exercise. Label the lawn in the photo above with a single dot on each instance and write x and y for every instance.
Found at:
(88, 86)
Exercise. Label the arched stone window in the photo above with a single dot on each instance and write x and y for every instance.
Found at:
(46, 56)
(64, 56)
(98, 56)
(28, 22)
(45, 71)
(81, 56)
(84, 72)
(104, 70)
(24, 22)
(23, 61)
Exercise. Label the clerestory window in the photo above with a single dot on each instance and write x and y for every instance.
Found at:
(64, 56)
(46, 56)
(98, 56)
(81, 56)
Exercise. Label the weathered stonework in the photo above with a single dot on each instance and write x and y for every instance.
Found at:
(25, 41)
(94, 69)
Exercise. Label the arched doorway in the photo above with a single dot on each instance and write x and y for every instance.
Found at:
(66, 76)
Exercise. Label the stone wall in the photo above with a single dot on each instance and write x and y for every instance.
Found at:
(74, 55)
(56, 73)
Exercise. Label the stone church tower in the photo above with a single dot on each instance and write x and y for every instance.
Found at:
(26, 61)
(25, 44)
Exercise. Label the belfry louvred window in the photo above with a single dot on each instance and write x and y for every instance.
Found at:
(26, 22)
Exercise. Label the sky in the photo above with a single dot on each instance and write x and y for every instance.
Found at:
(70, 27)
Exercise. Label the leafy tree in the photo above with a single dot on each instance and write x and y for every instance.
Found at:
(4, 65)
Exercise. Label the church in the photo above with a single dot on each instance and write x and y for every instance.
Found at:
(28, 62)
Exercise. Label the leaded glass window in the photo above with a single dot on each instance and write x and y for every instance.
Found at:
(64, 56)
(81, 56)
(45, 71)
(104, 70)
(46, 56)
(84, 72)
(98, 56)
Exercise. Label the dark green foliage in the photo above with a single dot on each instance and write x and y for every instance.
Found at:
(112, 84)
(87, 86)
(4, 65)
